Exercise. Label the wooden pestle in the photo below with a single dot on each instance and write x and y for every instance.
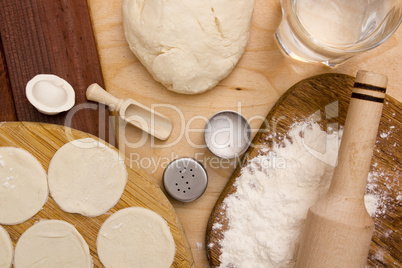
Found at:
(338, 228)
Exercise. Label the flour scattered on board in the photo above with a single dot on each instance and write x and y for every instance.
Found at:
(5, 181)
(217, 226)
(385, 134)
(200, 245)
(273, 193)
(117, 226)
(2, 164)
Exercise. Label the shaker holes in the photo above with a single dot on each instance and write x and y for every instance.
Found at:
(189, 174)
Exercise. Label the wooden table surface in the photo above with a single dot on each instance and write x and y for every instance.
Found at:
(50, 37)
(83, 43)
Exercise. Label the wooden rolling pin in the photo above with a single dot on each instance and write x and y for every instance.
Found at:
(338, 228)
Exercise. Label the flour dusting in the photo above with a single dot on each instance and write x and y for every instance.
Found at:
(200, 245)
(274, 192)
(2, 164)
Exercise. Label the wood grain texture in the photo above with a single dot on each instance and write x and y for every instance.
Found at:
(43, 140)
(51, 37)
(261, 76)
(7, 112)
(301, 101)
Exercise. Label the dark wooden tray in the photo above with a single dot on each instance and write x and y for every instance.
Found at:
(299, 102)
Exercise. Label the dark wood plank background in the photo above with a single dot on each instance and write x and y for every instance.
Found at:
(49, 37)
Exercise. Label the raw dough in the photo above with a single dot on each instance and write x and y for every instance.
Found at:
(188, 46)
(135, 237)
(23, 185)
(86, 177)
(6, 249)
(52, 243)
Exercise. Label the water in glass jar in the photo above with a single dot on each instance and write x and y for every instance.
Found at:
(332, 31)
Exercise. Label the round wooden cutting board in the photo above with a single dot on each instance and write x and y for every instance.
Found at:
(327, 97)
(43, 140)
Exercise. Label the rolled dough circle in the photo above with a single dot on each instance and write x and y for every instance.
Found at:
(86, 177)
(52, 243)
(23, 185)
(6, 249)
(137, 236)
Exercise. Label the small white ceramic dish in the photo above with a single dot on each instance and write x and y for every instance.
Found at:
(50, 94)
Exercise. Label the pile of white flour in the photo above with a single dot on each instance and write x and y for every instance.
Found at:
(274, 192)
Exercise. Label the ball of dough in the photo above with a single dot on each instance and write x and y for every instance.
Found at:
(52, 243)
(188, 46)
(23, 185)
(135, 237)
(86, 177)
(6, 249)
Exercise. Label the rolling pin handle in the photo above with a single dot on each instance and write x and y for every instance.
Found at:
(338, 228)
(98, 94)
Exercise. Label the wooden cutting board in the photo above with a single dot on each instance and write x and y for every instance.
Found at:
(43, 140)
(312, 96)
(261, 76)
